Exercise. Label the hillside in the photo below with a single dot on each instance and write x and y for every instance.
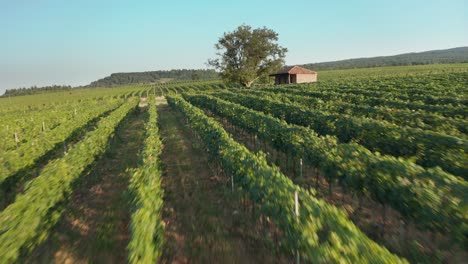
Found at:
(455, 55)
(153, 76)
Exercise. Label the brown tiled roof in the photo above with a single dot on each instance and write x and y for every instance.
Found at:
(293, 70)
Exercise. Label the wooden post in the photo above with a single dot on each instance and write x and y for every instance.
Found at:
(296, 211)
(255, 142)
(402, 231)
(43, 126)
(316, 178)
(296, 204)
(300, 163)
(16, 138)
(232, 183)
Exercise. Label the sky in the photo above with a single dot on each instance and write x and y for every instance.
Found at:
(45, 42)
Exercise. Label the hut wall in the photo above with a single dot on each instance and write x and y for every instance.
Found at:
(306, 78)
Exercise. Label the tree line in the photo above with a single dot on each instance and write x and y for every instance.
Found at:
(34, 90)
(455, 55)
(116, 79)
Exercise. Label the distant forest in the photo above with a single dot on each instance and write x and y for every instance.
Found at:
(116, 79)
(455, 55)
(35, 90)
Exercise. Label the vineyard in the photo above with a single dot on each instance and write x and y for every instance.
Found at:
(365, 166)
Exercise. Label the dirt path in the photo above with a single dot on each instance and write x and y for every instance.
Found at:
(202, 223)
(94, 227)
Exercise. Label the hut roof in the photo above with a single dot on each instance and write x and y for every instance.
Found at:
(293, 70)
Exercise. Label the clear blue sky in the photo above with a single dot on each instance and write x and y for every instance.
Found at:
(75, 42)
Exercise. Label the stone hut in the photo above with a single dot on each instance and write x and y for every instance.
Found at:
(294, 74)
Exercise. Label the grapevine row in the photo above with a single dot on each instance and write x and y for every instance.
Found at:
(332, 95)
(432, 198)
(448, 85)
(426, 90)
(430, 149)
(402, 117)
(11, 162)
(146, 226)
(321, 233)
(28, 126)
(22, 223)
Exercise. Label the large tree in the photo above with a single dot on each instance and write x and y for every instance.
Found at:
(247, 54)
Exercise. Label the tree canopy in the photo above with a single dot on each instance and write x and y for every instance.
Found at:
(247, 54)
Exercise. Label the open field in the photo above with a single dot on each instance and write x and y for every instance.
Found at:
(367, 165)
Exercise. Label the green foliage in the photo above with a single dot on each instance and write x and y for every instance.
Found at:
(321, 233)
(367, 75)
(348, 103)
(147, 232)
(36, 143)
(417, 113)
(432, 198)
(430, 148)
(247, 54)
(22, 222)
